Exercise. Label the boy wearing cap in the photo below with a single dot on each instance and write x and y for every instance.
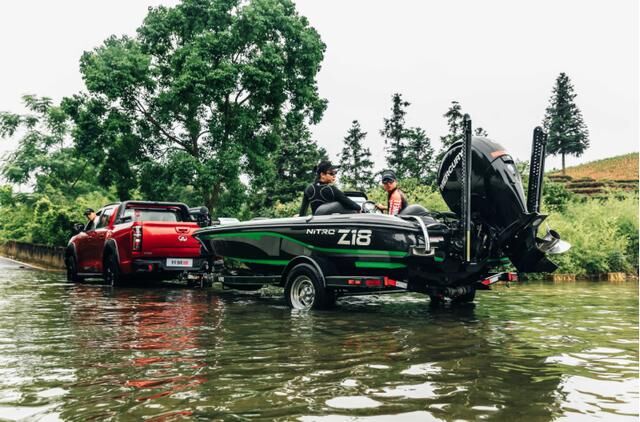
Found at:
(396, 200)
(323, 191)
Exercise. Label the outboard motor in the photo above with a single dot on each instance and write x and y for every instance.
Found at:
(497, 199)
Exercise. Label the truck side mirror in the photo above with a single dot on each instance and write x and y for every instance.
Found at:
(77, 228)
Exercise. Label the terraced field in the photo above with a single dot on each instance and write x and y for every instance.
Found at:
(614, 173)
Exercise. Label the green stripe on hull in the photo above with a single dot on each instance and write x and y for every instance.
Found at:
(259, 235)
(276, 262)
(385, 265)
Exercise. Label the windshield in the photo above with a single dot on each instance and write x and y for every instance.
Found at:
(152, 215)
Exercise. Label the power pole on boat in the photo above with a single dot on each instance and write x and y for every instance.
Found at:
(466, 187)
(536, 169)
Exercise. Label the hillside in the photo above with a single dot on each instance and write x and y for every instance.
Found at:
(602, 176)
(622, 167)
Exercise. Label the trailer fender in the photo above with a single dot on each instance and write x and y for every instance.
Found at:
(303, 260)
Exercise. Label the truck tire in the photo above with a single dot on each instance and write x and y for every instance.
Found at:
(111, 271)
(72, 269)
(304, 289)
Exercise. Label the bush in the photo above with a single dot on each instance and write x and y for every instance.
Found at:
(603, 235)
(44, 218)
(417, 193)
(555, 196)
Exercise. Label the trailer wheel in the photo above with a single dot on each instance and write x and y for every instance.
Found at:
(304, 289)
(436, 300)
(111, 273)
(465, 298)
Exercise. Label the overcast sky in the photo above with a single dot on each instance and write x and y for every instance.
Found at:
(498, 58)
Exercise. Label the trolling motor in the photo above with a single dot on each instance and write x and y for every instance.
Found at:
(480, 183)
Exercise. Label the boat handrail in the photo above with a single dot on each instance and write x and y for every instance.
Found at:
(427, 244)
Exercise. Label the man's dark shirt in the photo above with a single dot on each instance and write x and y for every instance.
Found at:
(316, 194)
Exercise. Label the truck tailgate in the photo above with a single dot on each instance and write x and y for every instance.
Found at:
(169, 239)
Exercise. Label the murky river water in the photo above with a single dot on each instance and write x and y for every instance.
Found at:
(536, 351)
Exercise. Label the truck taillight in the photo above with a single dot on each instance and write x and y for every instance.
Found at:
(136, 239)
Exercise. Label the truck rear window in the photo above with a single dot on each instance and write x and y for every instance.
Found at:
(152, 215)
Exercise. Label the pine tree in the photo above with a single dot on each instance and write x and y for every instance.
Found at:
(568, 134)
(420, 156)
(454, 121)
(454, 118)
(355, 160)
(395, 135)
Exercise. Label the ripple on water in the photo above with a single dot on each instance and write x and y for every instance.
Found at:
(353, 402)
(84, 351)
(586, 396)
(418, 416)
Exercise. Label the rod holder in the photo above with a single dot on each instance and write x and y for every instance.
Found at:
(536, 170)
(466, 186)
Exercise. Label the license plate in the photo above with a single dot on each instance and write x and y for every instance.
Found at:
(401, 284)
(179, 262)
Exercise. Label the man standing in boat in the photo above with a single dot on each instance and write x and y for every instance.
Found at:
(396, 200)
(323, 191)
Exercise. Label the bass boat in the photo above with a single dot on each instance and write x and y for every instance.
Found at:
(446, 255)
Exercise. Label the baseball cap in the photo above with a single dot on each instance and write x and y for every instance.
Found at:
(388, 176)
(88, 211)
(326, 167)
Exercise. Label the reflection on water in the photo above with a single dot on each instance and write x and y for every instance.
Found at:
(532, 352)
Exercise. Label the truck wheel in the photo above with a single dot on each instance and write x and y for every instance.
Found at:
(304, 289)
(111, 272)
(72, 269)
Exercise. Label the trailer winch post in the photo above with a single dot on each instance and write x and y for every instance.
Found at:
(536, 169)
(466, 187)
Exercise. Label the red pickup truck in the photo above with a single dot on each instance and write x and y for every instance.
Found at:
(136, 238)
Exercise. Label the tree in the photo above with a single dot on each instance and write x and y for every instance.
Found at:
(44, 158)
(295, 160)
(395, 135)
(355, 160)
(208, 84)
(420, 156)
(454, 118)
(455, 122)
(567, 132)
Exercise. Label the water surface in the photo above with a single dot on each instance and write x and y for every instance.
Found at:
(535, 351)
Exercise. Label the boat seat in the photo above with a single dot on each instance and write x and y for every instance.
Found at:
(334, 207)
(415, 209)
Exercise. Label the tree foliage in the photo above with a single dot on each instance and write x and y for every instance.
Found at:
(420, 160)
(567, 132)
(356, 166)
(294, 162)
(45, 158)
(207, 83)
(395, 135)
(454, 118)
(455, 123)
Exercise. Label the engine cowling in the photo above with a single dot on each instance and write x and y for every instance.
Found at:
(497, 200)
